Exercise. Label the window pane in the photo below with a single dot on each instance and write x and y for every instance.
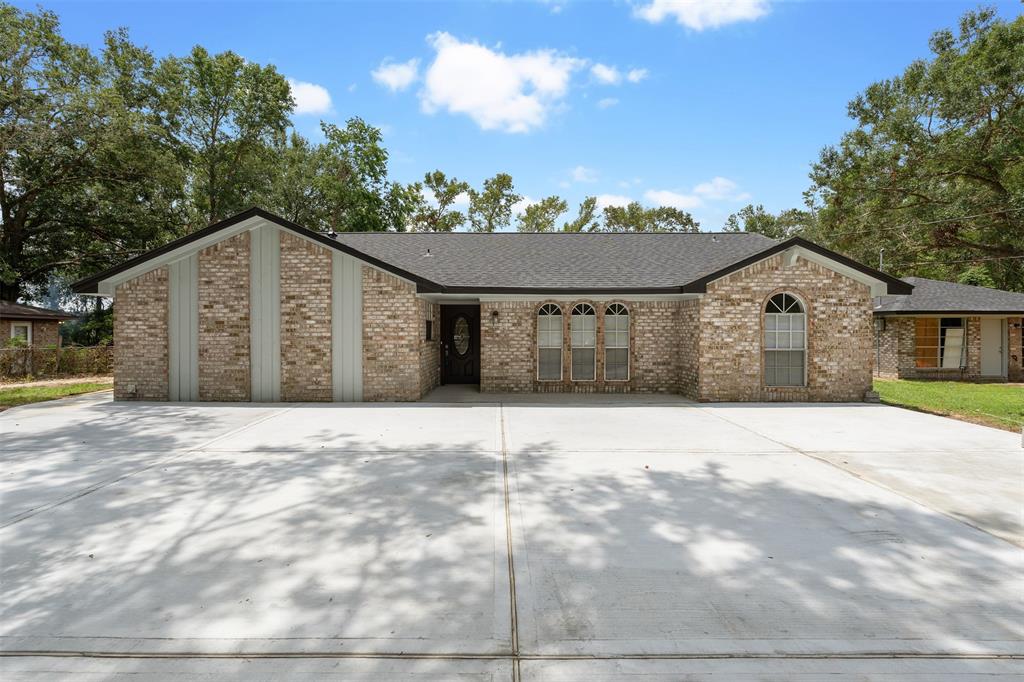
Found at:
(549, 362)
(796, 340)
(783, 322)
(583, 364)
(770, 322)
(20, 332)
(770, 340)
(799, 321)
(616, 364)
(784, 368)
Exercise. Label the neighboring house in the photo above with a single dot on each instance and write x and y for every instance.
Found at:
(258, 308)
(949, 331)
(39, 327)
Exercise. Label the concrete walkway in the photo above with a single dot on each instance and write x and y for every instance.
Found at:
(592, 538)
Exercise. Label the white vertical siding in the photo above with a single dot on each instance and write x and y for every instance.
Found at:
(265, 313)
(183, 329)
(347, 328)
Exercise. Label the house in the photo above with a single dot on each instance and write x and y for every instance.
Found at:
(37, 326)
(949, 331)
(256, 308)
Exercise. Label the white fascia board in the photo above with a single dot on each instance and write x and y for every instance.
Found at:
(499, 298)
(878, 287)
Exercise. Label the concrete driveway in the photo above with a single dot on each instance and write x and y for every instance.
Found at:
(597, 538)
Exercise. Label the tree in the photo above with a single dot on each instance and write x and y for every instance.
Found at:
(434, 213)
(586, 217)
(222, 115)
(934, 170)
(791, 222)
(636, 218)
(84, 176)
(542, 216)
(491, 209)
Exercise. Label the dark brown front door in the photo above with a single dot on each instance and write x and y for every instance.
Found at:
(460, 344)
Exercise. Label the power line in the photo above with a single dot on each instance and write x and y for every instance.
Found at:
(966, 260)
(1011, 209)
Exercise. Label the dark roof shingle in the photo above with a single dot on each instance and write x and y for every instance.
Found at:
(16, 311)
(558, 260)
(936, 296)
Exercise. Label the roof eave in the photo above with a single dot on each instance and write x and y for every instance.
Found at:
(90, 285)
(895, 286)
(973, 312)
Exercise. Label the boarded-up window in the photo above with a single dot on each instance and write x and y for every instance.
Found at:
(939, 343)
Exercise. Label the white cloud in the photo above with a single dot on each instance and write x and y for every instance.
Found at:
(310, 98)
(636, 75)
(520, 206)
(702, 14)
(461, 200)
(608, 75)
(715, 189)
(583, 174)
(664, 197)
(607, 102)
(396, 76)
(514, 93)
(606, 200)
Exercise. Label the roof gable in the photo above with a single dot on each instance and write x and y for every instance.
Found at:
(936, 296)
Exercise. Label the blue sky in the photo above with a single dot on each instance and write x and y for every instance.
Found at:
(707, 107)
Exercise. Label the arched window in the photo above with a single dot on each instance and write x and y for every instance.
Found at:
(785, 341)
(583, 329)
(549, 343)
(616, 343)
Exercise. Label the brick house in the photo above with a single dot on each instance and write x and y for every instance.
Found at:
(950, 331)
(256, 308)
(38, 327)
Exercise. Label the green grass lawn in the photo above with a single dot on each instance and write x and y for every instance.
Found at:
(12, 396)
(996, 405)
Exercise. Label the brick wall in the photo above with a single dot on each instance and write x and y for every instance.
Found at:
(508, 359)
(429, 350)
(140, 332)
(224, 372)
(305, 320)
(886, 360)
(391, 338)
(903, 330)
(839, 339)
(44, 333)
(689, 349)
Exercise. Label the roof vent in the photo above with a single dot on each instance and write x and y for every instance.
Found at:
(428, 254)
(332, 234)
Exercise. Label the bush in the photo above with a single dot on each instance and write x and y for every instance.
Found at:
(53, 363)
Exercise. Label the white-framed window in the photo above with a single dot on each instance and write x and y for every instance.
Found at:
(549, 343)
(583, 335)
(616, 343)
(785, 341)
(22, 330)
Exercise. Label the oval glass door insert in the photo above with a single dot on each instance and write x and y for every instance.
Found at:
(460, 335)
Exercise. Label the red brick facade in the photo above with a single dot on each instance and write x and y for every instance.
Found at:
(224, 372)
(305, 320)
(140, 332)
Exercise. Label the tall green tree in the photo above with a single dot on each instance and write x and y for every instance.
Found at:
(490, 209)
(637, 218)
(85, 177)
(436, 212)
(934, 170)
(222, 115)
(542, 216)
(586, 219)
(791, 222)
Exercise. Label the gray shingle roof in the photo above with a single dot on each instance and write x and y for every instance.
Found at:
(935, 296)
(16, 311)
(559, 260)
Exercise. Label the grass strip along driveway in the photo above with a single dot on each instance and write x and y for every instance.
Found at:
(998, 405)
(12, 396)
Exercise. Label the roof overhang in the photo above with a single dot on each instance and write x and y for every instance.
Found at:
(947, 313)
(796, 247)
(104, 283)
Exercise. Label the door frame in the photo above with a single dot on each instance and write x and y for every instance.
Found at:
(1001, 341)
(449, 311)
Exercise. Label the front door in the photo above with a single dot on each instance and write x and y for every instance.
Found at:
(460, 344)
(992, 336)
